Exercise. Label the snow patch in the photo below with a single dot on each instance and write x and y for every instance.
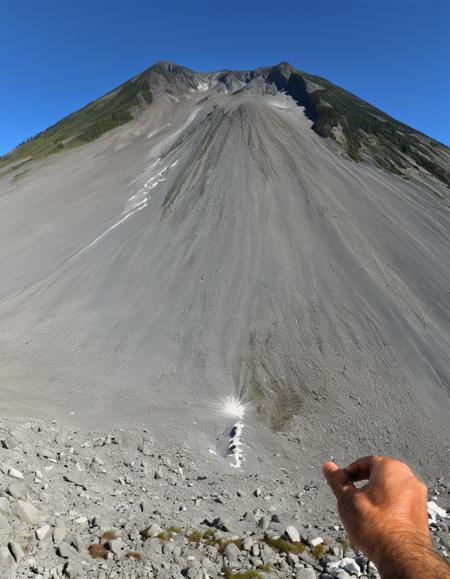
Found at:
(137, 202)
(235, 446)
(105, 233)
(279, 102)
(202, 86)
(436, 512)
(140, 199)
(230, 443)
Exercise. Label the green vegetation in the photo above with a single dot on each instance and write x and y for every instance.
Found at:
(386, 140)
(87, 124)
(251, 574)
(221, 544)
(364, 128)
(209, 536)
(166, 534)
(134, 555)
(195, 536)
(284, 546)
(344, 542)
(319, 551)
(174, 530)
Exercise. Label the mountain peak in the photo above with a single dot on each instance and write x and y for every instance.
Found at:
(168, 75)
(166, 65)
(361, 131)
(284, 65)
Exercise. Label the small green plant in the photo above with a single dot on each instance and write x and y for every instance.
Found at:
(173, 530)
(209, 537)
(223, 543)
(195, 536)
(319, 551)
(134, 555)
(266, 567)
(344, 543)
(283, 546)
(251, 574)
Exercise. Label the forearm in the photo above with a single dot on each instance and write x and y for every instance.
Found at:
(411, 560)
(387, 518)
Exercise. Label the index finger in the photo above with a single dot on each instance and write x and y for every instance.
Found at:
(338, 479)
(362, 468)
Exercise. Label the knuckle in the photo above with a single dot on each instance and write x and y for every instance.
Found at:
(383, 460)
(398, 466)
(423, 488)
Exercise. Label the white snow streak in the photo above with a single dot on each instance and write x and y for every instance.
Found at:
(134, 204)
(232, 445)
(157, 131)
(436, 512)
(235, 446)
(105, 233)
(140, 199)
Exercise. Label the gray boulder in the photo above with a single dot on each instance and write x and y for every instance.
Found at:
(306, 573)
(292, 534)
(28, 513)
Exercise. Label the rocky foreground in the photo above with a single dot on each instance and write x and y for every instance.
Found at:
(117, 504)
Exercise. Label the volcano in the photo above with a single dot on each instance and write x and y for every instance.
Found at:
(260, 235)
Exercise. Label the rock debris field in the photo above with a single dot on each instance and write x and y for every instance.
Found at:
(118, 505)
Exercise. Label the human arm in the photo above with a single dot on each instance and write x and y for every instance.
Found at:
(387, 518)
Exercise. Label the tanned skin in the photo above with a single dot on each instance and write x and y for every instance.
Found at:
(387, 518)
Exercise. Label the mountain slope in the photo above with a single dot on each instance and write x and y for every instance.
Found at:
(87, 124)
(363, 131)
(217, 245)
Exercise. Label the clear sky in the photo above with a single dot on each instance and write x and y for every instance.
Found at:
(57, 55)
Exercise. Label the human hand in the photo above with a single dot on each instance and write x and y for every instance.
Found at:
(387, 517)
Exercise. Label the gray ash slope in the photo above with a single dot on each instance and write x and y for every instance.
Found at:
(225, 242)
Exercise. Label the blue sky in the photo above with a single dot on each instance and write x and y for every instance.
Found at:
(58, 55)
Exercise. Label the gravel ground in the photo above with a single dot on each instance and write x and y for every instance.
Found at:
(118, 504)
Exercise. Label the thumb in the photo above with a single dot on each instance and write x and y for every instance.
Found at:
(337, 478)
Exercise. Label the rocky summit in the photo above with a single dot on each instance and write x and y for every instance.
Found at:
(213, 282)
